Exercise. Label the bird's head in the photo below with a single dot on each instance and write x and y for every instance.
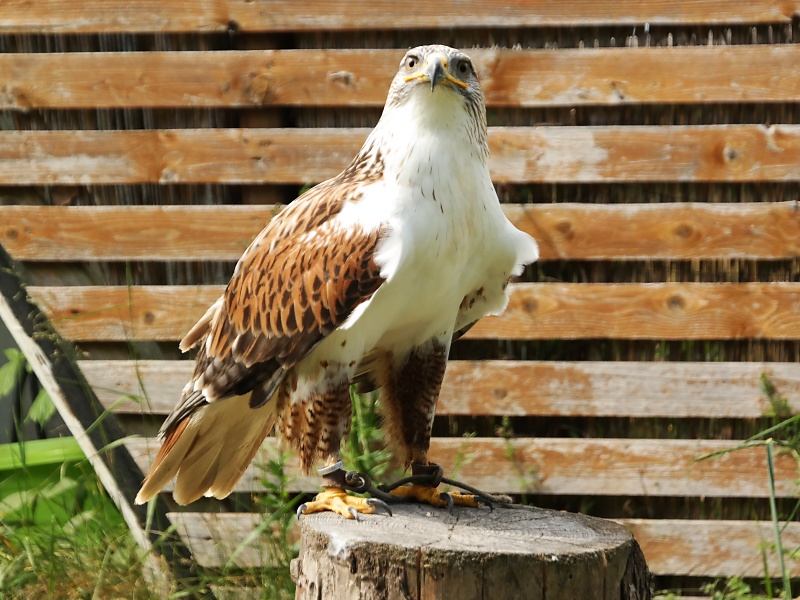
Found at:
(437, 70)
(434, 99)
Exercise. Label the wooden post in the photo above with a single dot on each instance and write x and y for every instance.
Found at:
(426, 553)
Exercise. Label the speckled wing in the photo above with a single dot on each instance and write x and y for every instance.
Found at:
(297, 282)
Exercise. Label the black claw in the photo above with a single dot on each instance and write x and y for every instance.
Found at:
(301, 509)
(353, 512)
(449, 499)
(380, 505)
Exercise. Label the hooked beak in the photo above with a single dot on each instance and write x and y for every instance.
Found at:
(436, 70)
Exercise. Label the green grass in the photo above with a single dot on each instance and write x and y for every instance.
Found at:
(730, 589)
(60, 534)
(364, 449)
(62, 537)
(782, 436)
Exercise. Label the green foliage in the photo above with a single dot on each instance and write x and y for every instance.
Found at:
(779, 404)
(60, 534)
(463, 457)
(42, 408)
(731, 589)
(526, 476)
(784, 436)
(13, 374)
(278, 530)
(13, 371)
(734, 588)
(364, 449)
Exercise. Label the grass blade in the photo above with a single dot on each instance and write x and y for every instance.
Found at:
(787, 584)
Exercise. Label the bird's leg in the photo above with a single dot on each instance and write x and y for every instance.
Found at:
(427, 478)
(334, 496)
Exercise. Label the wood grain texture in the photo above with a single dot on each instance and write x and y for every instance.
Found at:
(423, 554)
(214, 538)
(517, 388)
(670, 311)
(671, 546)
(518, 154)
(565, 466)
(762, 230)
(160, 233)
(117, 16)
(536, 311)
(712, 548)
(120, 313)
(529, 78)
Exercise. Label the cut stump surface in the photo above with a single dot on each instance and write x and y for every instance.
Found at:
(479, 553)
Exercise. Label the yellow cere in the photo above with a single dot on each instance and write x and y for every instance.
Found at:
(449, 78)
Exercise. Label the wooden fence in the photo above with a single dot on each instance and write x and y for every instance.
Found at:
(110, 163)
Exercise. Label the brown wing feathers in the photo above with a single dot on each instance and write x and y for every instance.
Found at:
(290, 289)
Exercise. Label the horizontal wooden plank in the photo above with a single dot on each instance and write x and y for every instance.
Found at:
(157, 16)
(214, 538)
(762, 230)
(671, 311)
(517, 388)
(518, 154)
(161, 233)
(675, 311)
(707, 548)
(671, 546)
(567, 466)
(593, 76)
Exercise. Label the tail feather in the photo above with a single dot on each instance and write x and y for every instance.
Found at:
(195, 479)
(209, 450)
(201, 328)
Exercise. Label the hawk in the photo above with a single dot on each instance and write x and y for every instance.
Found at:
(366, 277)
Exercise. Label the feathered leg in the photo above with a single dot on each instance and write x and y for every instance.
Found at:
(411, 387)
(314, 416)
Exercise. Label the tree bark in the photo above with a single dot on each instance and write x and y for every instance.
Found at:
(492, 554)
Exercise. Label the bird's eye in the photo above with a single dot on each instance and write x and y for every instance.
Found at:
(463, 67)
(411, 62)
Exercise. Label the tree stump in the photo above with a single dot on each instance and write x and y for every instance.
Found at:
(425, 553)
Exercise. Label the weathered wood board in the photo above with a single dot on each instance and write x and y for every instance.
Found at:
(714, 123)
(519, 388)
(735, 153)
(536, 311)
(118, 16)
(568, 231)
(313, 77)
(566, 466)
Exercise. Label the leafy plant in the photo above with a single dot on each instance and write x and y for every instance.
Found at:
(783, 436)
(12, 375)
(779, 404)
(364, 449)
(731, 589)
(526, 475)
(60, 534)
(278, 530)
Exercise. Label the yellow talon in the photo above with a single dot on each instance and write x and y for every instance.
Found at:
(431, 495)
(338, 501)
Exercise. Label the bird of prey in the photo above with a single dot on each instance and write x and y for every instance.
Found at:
(366, 277)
